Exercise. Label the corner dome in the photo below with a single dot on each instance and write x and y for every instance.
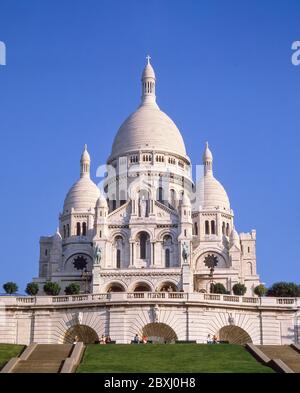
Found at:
(148, 128)
(82, 196)
(211, 194)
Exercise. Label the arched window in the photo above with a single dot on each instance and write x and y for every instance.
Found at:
(167, 258)
(78, 229)
(143, 244)
(65, 233)
(206, 227)
(196, 229)
(160, 196)
(118, 259)
(100, 233)
(84, 229)
(213, 227)
(227, 229)
(68, 230)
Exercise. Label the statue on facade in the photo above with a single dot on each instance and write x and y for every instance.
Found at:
(97, 255)
(185, 252)
(143, 206)
(155, 311)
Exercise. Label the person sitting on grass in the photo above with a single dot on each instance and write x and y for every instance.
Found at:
(144, 339)
(108, 340)
(136, 339)
(209, 339)
(102, 340)
(215, 339)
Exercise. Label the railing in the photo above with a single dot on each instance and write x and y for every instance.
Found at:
(168, 297)
(285, 301)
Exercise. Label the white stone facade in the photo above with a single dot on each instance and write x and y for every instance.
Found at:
(148, 209)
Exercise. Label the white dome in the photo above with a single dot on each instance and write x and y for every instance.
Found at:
(211, 194)
(148, 128)
(83, 195)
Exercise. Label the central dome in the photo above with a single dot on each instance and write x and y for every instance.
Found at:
(148, 128)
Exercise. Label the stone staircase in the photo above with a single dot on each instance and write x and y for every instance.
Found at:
(290, 356)
(45, 358)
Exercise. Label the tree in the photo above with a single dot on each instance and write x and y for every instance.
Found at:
(52, 288)
(10, 287)
(32, 289)
(72, 289)
(260, 290)
(239, 289)
(284, 289)
(218, 288)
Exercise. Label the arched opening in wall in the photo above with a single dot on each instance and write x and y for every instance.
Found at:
(143, 240)
(159, 333)
(213, 227)
(68, 230)
(167, 286)
(84, 229)
(78, 229)
(115, 287)
(234, 335)
(142, 287)
(160, 194)
(167, 257)
(118, 264)
(206, 227)
(82, 333)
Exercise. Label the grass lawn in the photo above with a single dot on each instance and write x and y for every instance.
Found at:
(8, 351)
(193, 358)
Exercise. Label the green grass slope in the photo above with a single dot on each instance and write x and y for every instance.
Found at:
(8, 351)
(191, 358)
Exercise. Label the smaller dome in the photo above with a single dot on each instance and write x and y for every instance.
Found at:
(102, 202)
(211, 194)
(83, 195)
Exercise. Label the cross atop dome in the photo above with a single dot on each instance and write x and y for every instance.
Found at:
(148, 58)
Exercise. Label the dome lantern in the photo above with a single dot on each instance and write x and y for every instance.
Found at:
(207, 160)
(85, 163)
(148, 84)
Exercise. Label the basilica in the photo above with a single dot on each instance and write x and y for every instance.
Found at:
(148, 227)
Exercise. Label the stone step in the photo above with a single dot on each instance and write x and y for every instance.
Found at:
(46, 358)
(283, 352)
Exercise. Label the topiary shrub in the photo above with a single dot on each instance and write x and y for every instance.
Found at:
(72, 289)
(10, 287)
(32, 289)
(218, 288)
(52, 288)
(260, 290)
(284, 289)
(239, 289)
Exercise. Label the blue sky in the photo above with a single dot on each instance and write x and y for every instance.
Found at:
(224, 74)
